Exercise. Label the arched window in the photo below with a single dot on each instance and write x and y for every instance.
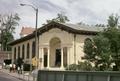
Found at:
(23, 52)
(33, 49)
(28, 50)
(18, 51)
(15, 53)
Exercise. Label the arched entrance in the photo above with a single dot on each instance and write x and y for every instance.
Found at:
(55, 52)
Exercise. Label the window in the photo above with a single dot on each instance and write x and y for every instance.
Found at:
(18, 51)
(28, 50)
(23, 52)
(33, 49)
(15, 53)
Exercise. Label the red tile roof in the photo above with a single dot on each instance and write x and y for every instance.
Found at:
(26, 31)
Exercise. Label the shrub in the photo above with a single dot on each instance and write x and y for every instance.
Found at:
(72, 67)
(85, 66)
(81, 66)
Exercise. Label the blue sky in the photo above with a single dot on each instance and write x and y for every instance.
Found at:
(87, 11)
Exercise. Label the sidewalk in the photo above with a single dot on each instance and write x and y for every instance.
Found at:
(25, 76)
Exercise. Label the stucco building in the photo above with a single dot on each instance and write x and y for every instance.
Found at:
(58, 45)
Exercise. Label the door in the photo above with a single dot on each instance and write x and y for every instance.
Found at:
(58, 57)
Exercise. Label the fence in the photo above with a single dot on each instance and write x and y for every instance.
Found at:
(44, 75)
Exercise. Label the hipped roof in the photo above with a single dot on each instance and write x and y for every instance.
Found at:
(71, 28)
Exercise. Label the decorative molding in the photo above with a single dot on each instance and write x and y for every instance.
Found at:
(44, 46)
(66, 45)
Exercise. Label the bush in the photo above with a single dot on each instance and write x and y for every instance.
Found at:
(82, 66)
(71, 67)
(115, 68)
(85, 66)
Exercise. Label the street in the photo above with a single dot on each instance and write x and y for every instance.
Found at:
(6, 77)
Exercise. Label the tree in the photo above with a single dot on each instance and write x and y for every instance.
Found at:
(113, 34)
(6, 37)
(113, 20)
(61, 18)
(102, 51)
(8, 24)
(104, 48)
(97, 50)
(88, 49)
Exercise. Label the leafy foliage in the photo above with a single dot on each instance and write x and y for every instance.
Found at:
(113, 34)
(6, 38)
(85, 66)
(61, 18)
(88, 49)
(104, 48)
(72, 67)
(81, 66)
(97, 50)
(113, 20)
(8, 24)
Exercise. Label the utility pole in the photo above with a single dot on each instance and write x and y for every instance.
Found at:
(36, 40)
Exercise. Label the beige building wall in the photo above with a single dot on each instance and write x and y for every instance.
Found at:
(80, 46)
(25, 50)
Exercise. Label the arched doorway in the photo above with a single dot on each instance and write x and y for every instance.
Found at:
(55, 52)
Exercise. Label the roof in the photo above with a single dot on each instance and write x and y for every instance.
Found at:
(84, 27)
(26, 30)
(71, 28)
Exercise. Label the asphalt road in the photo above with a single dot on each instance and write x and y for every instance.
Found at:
(6, 77)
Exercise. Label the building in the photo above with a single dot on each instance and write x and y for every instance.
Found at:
(5, 55)
(26, 30)
(58, 45)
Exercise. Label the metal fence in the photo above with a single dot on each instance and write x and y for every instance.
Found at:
(44, 75)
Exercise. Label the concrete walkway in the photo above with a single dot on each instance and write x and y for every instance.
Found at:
(26, 76)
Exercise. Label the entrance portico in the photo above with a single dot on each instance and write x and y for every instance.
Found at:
(54, 55)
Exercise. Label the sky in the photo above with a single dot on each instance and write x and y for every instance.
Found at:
(87, 11)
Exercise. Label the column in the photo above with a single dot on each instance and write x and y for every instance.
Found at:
(42, 58)
(13, 49)
(68, 56)
(62, 58)
(48, 57)
(30, 55)
(30, 52)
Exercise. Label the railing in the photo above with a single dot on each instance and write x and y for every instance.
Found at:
(45, 75)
